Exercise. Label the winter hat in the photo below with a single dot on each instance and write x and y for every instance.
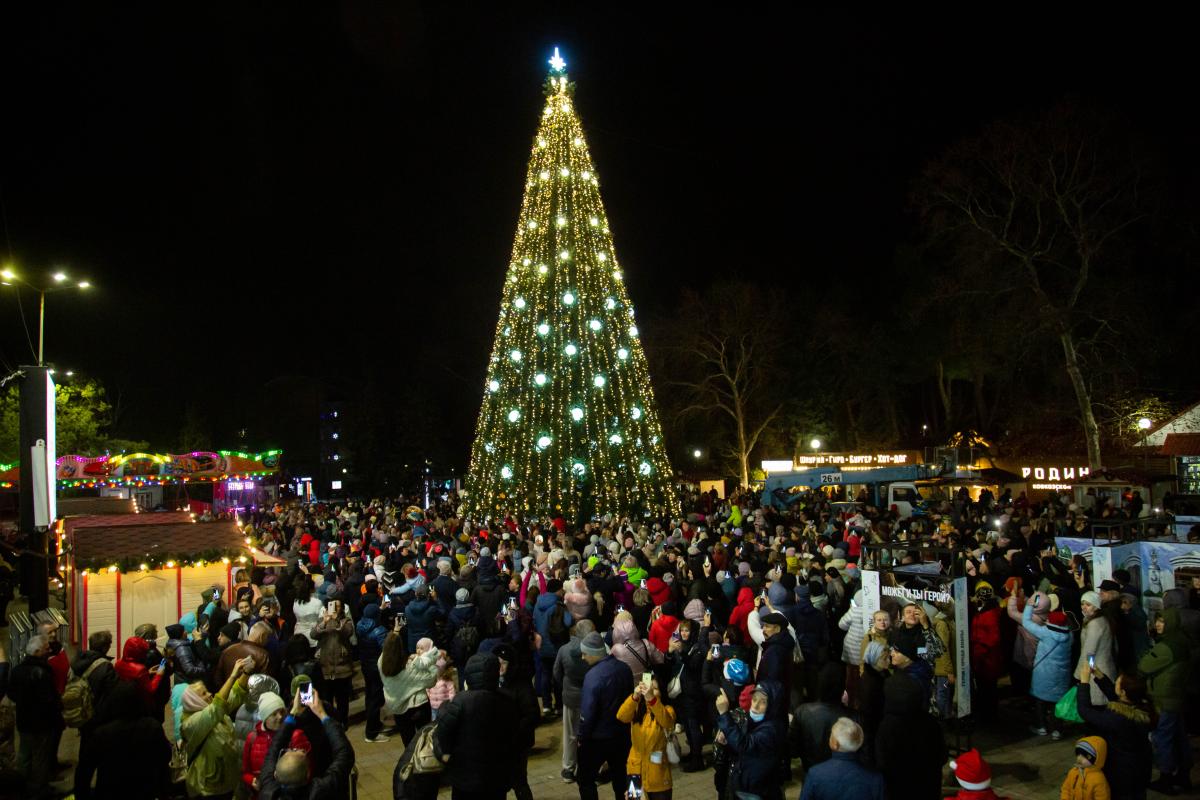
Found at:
(1086, 749)
(593, 645)
(462, 596)
(232, 630)
(694, 610)
(746, 697)
(1057, 619)
(1090, 597)
(175, 631)
(736, 672)
(802, 591)
(984, 591)
(971, 771)
(268, 704)
(774, 618)
(852, 572)
(743, 569)
(485, 551)
(777, 593)
(659, 591)
(873, 653)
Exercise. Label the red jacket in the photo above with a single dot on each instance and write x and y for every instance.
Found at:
(659, 591)
(132, 667)
(661, 630)
(977, 794)
(254, 752)
(60, 665)
(741, 612)
(987, 650)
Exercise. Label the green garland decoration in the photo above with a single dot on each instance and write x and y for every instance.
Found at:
(146, 562)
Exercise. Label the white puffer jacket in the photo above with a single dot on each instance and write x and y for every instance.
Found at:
(853, 622)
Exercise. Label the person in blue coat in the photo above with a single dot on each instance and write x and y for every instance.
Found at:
(422, 614)
(543, 611)
(842, 775)
(371, 636)
(755, 743)
(1051, 666)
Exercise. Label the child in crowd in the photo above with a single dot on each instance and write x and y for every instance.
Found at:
(442, 691)
(974, 775)
(1086, 779)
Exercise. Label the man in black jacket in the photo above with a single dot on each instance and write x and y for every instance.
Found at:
(285, 772)
(39, 717)
(129, 753)
(471, 731)
(94, 666)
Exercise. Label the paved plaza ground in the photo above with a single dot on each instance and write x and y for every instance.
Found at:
(1025, 767)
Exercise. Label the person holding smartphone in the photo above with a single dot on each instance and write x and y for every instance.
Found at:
(649, 720)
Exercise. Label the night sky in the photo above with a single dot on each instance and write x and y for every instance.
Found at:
(262, 192)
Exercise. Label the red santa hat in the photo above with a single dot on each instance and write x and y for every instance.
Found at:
(971, 771)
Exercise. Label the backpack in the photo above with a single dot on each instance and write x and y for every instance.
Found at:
(560, 634)
(465, 642)
(77, 701)
(422, 756)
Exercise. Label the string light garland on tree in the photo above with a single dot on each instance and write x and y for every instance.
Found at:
(568, 422)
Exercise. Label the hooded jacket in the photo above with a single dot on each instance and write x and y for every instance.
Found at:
(577, 599)
(422, 617)
(132, 667)
(542, 611)
(987, 652)
(660, 592)
(809, 622)
(1166, 665)
(471, 730)
(756, 747)
(1126, 730)
(1089, 783)
(370, 634)
(1052, 659)
(632, 650)
(488, 596)
(662, 628)
(741, 611)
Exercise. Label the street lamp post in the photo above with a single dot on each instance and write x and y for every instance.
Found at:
(10, 278)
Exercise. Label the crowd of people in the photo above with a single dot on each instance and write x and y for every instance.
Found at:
(736, 638)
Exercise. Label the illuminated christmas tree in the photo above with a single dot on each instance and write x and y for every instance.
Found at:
(569, 422)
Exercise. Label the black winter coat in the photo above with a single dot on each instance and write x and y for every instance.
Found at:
(1126, 729)
(31, 687)
(474, 730)
(909, 748)
(189, 666)
(327, 784)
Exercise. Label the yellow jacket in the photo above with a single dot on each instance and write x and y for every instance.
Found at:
(649, 736)
(1090, 783)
